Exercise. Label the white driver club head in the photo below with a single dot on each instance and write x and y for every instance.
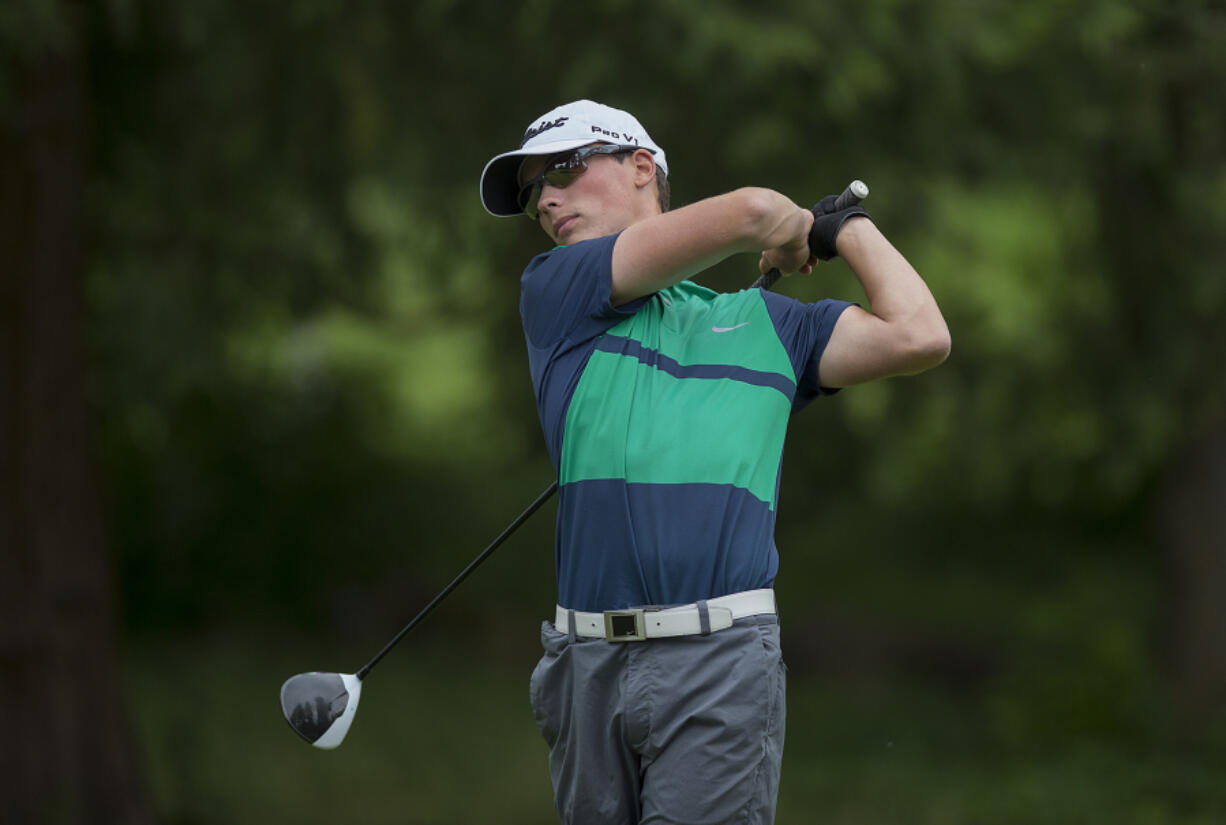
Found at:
(320, 706)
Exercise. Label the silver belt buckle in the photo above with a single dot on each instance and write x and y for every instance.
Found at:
(624, 626)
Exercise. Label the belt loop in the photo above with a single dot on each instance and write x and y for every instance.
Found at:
(570, 624)
(704, 617)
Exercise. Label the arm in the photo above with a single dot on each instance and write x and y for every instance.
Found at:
(663, 250)
(904, 333)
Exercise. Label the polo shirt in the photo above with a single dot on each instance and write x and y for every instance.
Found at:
(665, 421)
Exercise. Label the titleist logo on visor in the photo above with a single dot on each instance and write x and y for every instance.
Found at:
(545, 126)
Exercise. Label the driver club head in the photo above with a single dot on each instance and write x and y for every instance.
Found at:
(320, 706)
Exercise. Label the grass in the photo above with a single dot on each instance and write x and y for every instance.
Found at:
(905, 757)
(441, 738)
(433, 741)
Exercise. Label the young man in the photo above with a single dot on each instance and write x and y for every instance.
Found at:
(664, 406)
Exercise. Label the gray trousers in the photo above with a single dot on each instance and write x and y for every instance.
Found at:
(684, 730)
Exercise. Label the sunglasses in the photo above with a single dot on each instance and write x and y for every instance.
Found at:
(561, 171)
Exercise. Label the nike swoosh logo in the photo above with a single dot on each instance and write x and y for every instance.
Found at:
(729, 329)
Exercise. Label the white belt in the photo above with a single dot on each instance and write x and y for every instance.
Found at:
(637, 624)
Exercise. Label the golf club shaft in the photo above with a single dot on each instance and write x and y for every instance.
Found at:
(851, 195)
(482, 556)
(309, 700)
(855, 192)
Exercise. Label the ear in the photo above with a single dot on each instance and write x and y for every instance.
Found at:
(644, 167)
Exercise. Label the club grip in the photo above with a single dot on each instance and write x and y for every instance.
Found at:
(855, 192)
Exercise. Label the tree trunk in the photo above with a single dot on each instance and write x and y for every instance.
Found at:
(1193, 533)
(68, 753)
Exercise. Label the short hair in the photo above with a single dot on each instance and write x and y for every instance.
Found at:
(662, 188)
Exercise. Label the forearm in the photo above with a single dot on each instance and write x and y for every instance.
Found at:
(662, 250)
(906, 314)
(893, 287)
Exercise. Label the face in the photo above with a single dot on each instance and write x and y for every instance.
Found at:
(600, 200)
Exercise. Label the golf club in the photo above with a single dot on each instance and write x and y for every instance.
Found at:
(320, 706)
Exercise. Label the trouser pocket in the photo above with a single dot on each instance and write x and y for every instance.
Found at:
(550, 684)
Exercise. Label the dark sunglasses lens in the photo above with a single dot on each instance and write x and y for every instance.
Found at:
(565, 175)
(560, 174)
(528, 196)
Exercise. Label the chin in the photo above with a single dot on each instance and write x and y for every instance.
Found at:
(577, 234)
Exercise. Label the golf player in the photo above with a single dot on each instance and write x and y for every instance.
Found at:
(664, 406)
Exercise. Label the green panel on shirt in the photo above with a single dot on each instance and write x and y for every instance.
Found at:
(694, 325)
(742, 423)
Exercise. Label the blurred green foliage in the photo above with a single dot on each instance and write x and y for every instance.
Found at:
(298, 303)
(313, 400)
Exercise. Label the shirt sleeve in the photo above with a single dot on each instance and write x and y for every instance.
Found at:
(804, 329)
(565, 294)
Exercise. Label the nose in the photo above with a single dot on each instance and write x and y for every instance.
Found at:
(548, 199)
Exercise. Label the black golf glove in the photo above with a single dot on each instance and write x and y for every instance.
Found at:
(827, 221)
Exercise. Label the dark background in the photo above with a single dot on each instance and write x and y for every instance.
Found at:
(263, 392)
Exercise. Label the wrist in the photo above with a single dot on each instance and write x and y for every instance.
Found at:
(806, 221)
(852, 234)
(804, 225)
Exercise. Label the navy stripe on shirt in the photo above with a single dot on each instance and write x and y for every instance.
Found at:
(619, 345)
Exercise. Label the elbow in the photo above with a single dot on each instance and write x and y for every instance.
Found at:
(928, 348)
(922, 346)
(938, 347)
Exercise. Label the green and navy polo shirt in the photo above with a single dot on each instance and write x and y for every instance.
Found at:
(665, 419)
